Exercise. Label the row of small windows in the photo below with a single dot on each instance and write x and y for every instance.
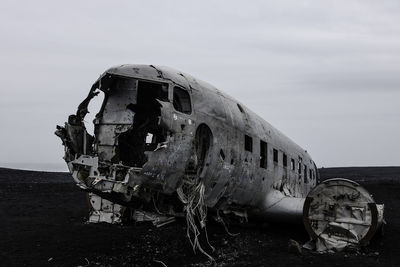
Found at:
(248, 146)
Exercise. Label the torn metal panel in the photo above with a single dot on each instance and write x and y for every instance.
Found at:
(104, 210)
(157, 219)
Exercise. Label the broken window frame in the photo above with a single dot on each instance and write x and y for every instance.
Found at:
(181, 110)
(143, 83)
(147, 112)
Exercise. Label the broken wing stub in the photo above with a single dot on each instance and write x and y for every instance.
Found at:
(339, 214)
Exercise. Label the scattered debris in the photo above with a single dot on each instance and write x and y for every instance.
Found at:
(160, 262)
(157, 219)
(294, 247)
(103, 210)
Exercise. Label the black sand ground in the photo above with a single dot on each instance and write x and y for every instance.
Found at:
(42, 222)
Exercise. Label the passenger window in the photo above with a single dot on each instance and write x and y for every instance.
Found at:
(182, 101)
(284, 160)
(275, 155)
(248, 143)
(263, 154)
(305, 172)
(299, 165)
(292, 165)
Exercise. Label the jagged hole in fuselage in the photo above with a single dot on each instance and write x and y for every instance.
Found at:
(144, 133)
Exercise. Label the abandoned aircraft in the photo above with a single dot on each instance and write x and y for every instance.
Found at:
(167, 143)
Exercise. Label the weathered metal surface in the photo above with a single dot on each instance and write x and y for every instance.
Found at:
(161, 133)
(103, 210)
(340, 214)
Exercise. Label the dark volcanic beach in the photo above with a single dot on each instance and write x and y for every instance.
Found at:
(43, 222)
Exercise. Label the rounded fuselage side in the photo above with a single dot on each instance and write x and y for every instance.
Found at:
(250, 157)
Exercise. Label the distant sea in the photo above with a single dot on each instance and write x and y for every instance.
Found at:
(50, 167)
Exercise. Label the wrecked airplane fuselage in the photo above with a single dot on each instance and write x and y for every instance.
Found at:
(164, 141)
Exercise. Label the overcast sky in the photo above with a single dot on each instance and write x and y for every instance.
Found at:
(326, 73)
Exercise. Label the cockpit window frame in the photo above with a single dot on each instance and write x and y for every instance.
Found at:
(190, 100)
